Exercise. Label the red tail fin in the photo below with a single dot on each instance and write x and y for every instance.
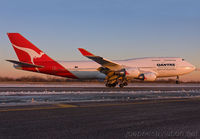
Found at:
(29, 53)
(25, 50)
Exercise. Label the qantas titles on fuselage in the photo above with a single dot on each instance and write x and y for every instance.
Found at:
(114, 72)
(167, 64)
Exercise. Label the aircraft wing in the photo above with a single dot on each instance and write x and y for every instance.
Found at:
(100, 60)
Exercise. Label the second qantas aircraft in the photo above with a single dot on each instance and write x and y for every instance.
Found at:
(114, 72)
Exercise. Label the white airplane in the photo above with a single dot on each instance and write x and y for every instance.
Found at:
(113, 72)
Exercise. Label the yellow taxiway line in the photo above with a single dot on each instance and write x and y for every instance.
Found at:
(57, 106)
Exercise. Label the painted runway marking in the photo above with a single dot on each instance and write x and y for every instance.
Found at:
(66, 106)
(57, 106)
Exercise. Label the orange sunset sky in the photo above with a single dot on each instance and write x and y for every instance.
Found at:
(114, 29)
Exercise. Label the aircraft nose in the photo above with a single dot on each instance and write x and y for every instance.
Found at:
(191, 67)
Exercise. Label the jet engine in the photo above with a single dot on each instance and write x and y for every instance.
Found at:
(132, 73)
(149, 76)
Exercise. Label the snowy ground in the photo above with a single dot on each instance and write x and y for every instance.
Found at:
(34, 98)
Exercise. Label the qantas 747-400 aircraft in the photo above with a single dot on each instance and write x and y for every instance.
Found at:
(114, 72)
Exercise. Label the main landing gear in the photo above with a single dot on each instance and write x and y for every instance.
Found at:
(123, 84)
(113, 79)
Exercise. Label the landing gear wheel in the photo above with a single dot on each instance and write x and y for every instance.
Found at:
(111, 85)
(121, 85)
(125, 83)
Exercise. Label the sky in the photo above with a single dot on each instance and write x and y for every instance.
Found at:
(114, 29)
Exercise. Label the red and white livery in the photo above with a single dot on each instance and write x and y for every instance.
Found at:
(113, 72)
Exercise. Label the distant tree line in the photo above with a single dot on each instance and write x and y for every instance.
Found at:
(31, 79)
(58, 79)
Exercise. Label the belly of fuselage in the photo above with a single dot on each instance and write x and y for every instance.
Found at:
(88, 74)
(170, 72)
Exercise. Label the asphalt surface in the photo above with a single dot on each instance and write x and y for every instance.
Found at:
(96, 89)
(167, 118)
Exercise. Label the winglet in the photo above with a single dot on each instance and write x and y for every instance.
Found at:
(84, 52)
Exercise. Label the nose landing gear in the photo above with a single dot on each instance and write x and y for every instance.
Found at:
(177, 80)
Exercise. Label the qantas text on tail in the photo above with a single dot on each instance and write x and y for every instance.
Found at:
(114, 72)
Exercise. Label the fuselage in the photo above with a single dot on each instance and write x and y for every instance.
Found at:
(162, 67)
(116, 72)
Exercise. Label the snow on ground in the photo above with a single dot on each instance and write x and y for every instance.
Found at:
(89, 92)
(32, 98)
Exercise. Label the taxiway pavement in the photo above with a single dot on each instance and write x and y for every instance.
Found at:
(164, 118)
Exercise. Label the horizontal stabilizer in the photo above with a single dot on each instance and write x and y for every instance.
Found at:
(23, 64)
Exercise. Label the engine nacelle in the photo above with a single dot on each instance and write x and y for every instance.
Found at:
(149, 76)
(132, 72)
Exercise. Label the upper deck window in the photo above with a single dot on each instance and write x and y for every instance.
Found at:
(170, 60)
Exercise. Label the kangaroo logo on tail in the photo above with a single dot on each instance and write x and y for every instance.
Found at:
(33, 55)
